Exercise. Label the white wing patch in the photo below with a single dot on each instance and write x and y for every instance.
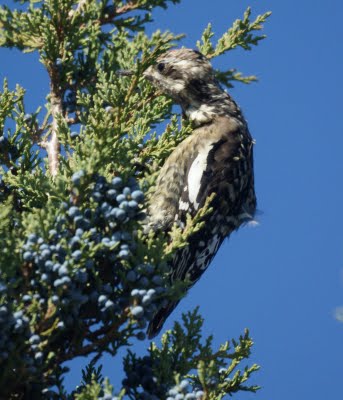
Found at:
(183, 205)
(195, 174)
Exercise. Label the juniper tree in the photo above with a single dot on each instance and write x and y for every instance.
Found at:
(79, 277)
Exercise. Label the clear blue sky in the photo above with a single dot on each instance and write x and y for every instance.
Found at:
(283, 279)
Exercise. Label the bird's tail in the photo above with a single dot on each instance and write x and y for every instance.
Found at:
(156, 324)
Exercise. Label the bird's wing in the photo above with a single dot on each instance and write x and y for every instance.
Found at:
(222, 165)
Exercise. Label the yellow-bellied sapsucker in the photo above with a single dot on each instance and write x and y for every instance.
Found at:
(216, 158)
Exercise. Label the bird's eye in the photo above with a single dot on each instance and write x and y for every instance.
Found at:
(160, 67)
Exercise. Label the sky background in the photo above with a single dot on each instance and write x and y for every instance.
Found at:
(283, 279)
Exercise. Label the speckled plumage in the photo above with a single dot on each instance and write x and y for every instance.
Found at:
(216, 158)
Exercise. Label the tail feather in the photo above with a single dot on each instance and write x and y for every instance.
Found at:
(156, 324)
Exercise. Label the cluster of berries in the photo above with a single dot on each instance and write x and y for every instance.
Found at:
(182, 392)
(80, 273)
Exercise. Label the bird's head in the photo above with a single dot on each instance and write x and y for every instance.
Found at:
(188, 78)
(181, 74)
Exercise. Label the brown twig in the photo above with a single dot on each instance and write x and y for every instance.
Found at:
(109, 334)
(126, 8)
(73, 120)
(105, 329)
(131, 88)
(108, 18)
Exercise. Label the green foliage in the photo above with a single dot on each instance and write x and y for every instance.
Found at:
(241, 34)
(76, 264)
(183, 353)
(227, 77)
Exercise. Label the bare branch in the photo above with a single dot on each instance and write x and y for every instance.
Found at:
(53, 145)
(114, 12)
(56, 108)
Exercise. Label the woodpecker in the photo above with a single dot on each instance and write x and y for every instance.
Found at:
(216, 158)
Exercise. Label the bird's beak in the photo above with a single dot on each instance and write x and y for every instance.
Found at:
(148, 74)
(124, 72)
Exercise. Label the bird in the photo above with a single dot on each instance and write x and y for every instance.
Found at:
(215, 159)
